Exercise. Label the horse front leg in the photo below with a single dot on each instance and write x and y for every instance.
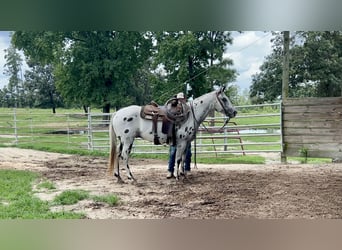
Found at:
(179, 162)
(180, 157)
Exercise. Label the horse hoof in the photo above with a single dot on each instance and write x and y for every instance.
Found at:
(120, 181)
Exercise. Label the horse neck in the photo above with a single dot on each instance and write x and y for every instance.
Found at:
(202, 106)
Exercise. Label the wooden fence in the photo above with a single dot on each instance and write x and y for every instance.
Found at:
(312, 126)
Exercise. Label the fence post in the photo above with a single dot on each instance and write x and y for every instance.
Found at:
(225, 141)
(68, 129)
(15, 126)
(90, 132)
(283, 157)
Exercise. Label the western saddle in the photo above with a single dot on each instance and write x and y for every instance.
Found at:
(172, 113)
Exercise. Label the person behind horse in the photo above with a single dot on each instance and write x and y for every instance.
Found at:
(177, 106)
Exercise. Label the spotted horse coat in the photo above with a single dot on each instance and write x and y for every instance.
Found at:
(126, 125)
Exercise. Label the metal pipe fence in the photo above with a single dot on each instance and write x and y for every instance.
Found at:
(243, 135)
(256, 129)
(28, 128)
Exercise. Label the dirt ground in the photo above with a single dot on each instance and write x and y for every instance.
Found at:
(272, 190)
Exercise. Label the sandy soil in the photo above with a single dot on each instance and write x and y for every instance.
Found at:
(272, 190)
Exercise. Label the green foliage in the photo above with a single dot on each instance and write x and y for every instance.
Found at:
(13, 94)
(40, 87)
(304, 152)
(195, 58)
(315, 67)
(90, 67)
(119, 68)
(266, 85)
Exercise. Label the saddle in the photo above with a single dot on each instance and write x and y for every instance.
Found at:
(167, 115)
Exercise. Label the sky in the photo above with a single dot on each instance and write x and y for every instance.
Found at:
(247, 51)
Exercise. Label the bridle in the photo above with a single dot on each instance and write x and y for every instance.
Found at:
(224, 108)
(196, 121)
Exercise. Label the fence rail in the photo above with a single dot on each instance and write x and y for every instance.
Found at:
(243, 135)
(27, 127)
(251, 138)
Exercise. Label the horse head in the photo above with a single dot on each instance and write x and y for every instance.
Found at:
(223, 104)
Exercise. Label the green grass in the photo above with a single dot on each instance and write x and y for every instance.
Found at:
(309, 160)
(46, 185)
(111, 200)
(17, 200)
(232, 159)
(211, 159)
(70, 197)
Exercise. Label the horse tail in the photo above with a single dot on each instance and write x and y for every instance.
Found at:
(112, 152)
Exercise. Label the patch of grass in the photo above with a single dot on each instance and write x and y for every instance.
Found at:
(70, 197)
(233, 159)
(17, 200)
(47, 185)
(110, 199)
(62, 149)
(210, 159)
(310, 160)
(151, 156)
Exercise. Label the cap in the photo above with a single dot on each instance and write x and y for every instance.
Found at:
(180, 95)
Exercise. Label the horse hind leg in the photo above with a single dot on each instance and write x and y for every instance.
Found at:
(117, 169)
(125, 157)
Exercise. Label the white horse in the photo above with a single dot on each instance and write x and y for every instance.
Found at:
(126, 125)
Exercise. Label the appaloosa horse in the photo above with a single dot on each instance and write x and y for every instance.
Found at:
(127, 124)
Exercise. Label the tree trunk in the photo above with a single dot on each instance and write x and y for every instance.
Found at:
(52, 102)
(106, 111)
(212, 112)
(285, 76)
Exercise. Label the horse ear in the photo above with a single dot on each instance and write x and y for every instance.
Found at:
(223, 88)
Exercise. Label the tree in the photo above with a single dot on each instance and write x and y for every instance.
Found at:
(40, 86)
(193, 60)
(13, 70)
(90, 67)
(315, 67)
(323, 61)
(266, 85)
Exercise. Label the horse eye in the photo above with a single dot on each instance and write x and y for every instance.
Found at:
(224, 99)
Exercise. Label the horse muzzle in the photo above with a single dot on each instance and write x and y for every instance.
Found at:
(231, 114)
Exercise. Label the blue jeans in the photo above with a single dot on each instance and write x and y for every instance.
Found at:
(172, 158)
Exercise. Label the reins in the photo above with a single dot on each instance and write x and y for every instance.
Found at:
(195, 131)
